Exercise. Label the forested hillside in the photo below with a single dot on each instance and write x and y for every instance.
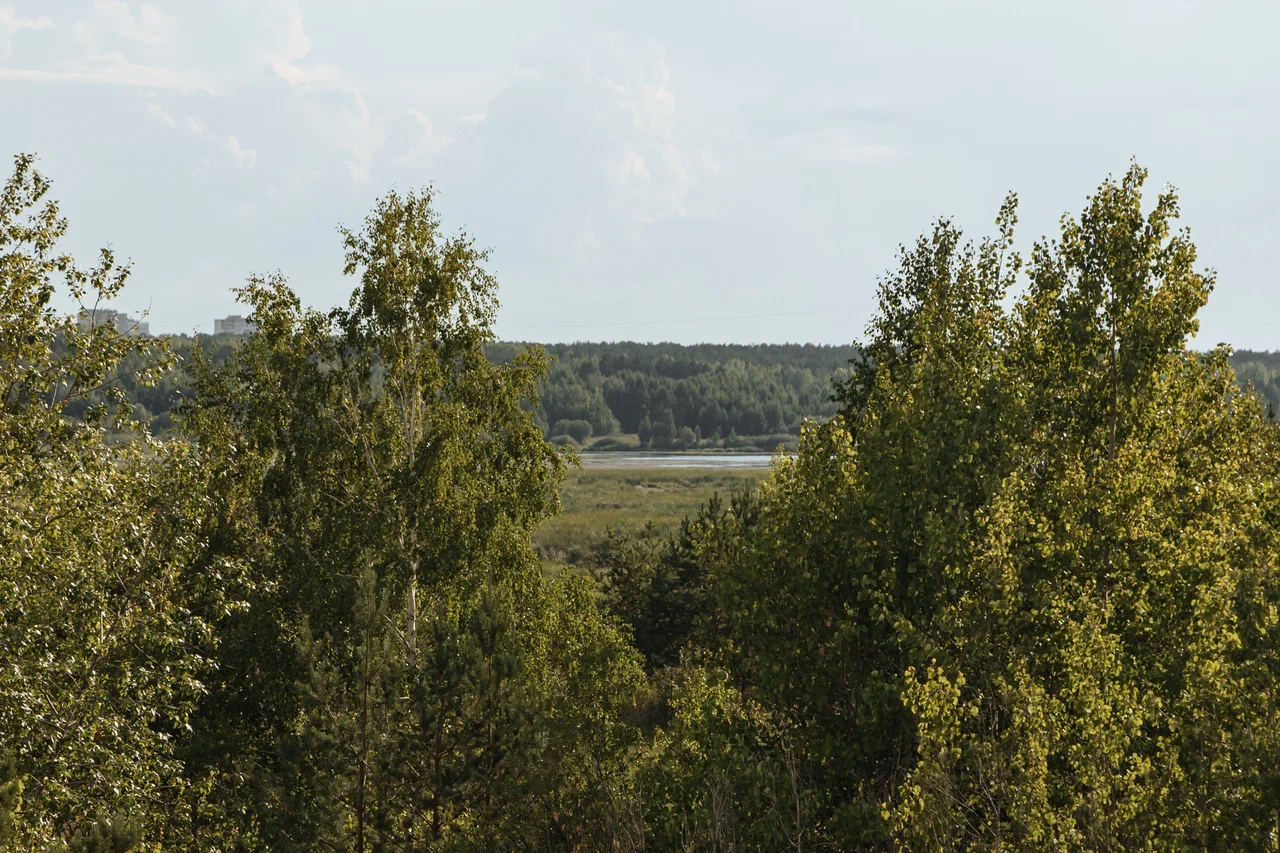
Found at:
(1019, 592)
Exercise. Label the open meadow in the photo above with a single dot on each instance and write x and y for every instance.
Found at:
(596, 500)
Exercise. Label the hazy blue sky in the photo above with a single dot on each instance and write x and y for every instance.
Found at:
(640, 161)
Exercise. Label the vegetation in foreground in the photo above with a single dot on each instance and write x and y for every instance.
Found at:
(1020, 593)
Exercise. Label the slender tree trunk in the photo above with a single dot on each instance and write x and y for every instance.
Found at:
(411, 628)
(362, 764)
(435, 795)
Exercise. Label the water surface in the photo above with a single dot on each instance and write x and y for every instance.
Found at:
(613, 459)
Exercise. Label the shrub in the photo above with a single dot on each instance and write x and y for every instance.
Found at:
(578, 430)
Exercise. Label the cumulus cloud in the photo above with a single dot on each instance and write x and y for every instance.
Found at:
(159, 113)
(113, 69)
(334, 103)
(835, 145)
(632, 171)
(289, 41)
(415, 138)
(290, 45)
(306, 75)
(244, 158)
(361, 138)
(11, 24)
(114, 18)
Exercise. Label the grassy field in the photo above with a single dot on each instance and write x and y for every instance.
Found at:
(625, 499)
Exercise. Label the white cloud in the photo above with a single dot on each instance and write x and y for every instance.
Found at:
(321, 75)
(424, 121)
(351, 123)
(244, 158)
(158, 111)
(292, 42)
(114, 18)
(640, 84)
(362, 138)
(10, 24)
(113, 69)
(658, 103)
(423, 142)
(632, 172)
(836, 146)
(291, 45)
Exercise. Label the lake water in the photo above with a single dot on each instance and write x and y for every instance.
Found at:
(738, 461)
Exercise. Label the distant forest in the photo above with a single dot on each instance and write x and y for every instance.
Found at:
(1262, 370)
(672, 396)
(683, 396)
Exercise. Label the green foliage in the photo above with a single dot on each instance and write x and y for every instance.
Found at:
(722, 774)
(10, 800)
(433, 734)
(579, 431)
(1259, 371)
(1021, 595)
(658, 586)
(108, 593)
(378, 440)
(108, 835)
(710, 388)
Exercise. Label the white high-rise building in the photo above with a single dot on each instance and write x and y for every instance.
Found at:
(233, 324)
(124, 324)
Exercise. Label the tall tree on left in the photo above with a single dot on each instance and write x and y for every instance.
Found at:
(106, 593)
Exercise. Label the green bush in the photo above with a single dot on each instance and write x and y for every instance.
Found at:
(578, 430)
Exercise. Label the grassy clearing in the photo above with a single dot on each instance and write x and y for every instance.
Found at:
(627, 499)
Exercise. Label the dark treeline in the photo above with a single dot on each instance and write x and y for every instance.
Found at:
(153, 403)
(1019, 592)
(684, 396)
(671, 395)
(1261, 370)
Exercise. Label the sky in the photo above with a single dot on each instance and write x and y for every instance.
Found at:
(686, 171)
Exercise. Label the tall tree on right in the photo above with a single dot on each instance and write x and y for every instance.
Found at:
(1023, 593)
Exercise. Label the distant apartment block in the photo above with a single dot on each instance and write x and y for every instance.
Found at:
(124, 324)
(233, 324)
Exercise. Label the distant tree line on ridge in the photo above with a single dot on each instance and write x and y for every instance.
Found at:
(685, 396)
(671, 395)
